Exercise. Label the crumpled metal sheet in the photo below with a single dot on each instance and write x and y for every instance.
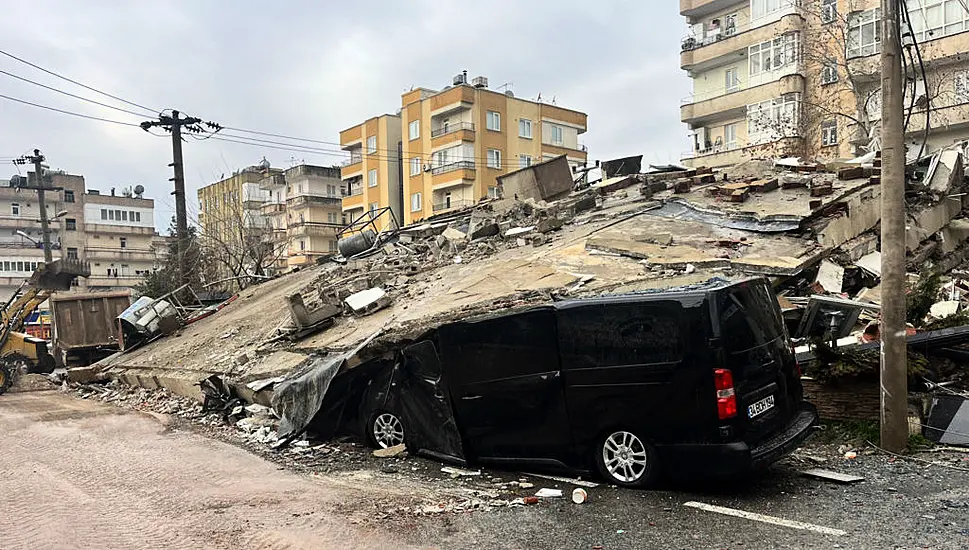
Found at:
(681, 210)
(298, 399)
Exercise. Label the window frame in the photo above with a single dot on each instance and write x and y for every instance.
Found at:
(730, 144)
(15, 209)
(773, 55)
(494, 158)
(857, 23)
(414, 130)
(69, 195)
(371, 145)
(493, 121)
(524, 123)
(829, 72)
(70, 224)
(731, 84)
(829, 11)
(524, 161)
(419, 198)
(560, 132)
(372, 180)
(829, 133)
(415, 167)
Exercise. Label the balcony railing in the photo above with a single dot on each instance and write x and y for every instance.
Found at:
(351, 160)
(451, 128)
(461, 165)
(450, 205)
(354, 191)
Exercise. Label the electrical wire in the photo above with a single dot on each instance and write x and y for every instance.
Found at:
(925, 81)
(85, 86)
(70, 94)
(62, 111)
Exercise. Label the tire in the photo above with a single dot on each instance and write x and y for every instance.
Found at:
(384, 429)
(625, 459)
(6, 377)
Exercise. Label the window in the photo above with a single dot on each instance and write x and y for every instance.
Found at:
(557, 135)
(414, 129)
(374, 206)
(15, 209)
(104, 214)
(415, 166)
(330, 190)
(302, 245)
(123, 241)
(763, 8)
(621, 334)
(372, 178)
(494, 121)
(960, 83)
(829, 72)
(72, 253)
(773, 55)
(730, 136)
(302, 218)
(70, 224)
(732, 79)
(772, 119)
(138, 217)
(524, 128)
(117, 215)
(493, 193)
(524, 161)
(372, 144)
(829, 11)
(124, 215)
(68, 196)
(829, 133)
(415, 202)
(332, 217)
(864, 33)
(111, 215)
(937, 18)
(494, 158)
(331, 245)
(511, 346)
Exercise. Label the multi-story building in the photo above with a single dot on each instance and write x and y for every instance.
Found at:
(460, 139)
(455, 142)
(113, 233)
(787, 77)
(371, 176)
(313, 212)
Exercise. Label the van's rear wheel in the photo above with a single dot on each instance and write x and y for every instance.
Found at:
(626, 460)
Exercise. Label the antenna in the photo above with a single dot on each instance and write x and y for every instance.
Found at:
(505, 86)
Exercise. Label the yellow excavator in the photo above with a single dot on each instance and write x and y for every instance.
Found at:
(19, 351)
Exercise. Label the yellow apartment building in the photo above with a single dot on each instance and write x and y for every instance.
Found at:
(458, 140)
(371, 176)
(786, 77)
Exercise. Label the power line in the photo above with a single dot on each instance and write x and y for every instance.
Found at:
(68, 112)
(85, 86)
(11, 75)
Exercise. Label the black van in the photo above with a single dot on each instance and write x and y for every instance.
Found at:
(631, 386)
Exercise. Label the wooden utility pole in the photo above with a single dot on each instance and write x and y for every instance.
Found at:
(894, 353)
(174, 125)
(37, 159)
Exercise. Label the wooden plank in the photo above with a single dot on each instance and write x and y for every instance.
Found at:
(829, 475)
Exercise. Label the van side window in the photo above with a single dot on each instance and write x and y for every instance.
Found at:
(621, 334)
(505, 347)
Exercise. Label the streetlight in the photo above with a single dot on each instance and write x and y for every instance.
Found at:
(28, 237)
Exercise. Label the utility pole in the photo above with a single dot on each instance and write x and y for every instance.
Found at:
(894, 352)
(37, 159)
(174, 125)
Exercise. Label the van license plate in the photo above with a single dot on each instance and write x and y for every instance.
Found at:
(761, 406)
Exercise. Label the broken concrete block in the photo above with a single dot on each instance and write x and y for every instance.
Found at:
(549, 224)
(368, 301)
(851, 173)
(831, 277)
(764, 186)
(682, 187)
(947, 172)
(489, 229)
(453, 234)
(739, 195)
(539, 240)
(83, 375)
(705, 178)
(815, 204)
(941, 310)
(303, 317)
(517, 231)
(583, 204)
(242, 358)
(729, 189)
(822, 189)
(954, 235)
(390, 452)
(794, 181)
(520, 241)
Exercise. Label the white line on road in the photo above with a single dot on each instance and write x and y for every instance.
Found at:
(766, 519)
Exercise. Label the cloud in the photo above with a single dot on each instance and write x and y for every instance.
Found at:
(310, 69)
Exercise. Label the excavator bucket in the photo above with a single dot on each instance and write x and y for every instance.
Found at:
(59, 274)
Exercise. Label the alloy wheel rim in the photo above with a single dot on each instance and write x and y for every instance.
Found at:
(625, 457)
(388, 431)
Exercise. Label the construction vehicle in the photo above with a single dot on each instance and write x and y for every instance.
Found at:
(22, 352)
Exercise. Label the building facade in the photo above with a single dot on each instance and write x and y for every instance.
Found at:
(454, 143)
(313, 214)
(113, 233)
(371, 176)
(784, 77)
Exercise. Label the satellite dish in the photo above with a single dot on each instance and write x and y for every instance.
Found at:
(139, 190)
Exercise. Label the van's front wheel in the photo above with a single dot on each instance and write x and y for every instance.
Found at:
(626, 460)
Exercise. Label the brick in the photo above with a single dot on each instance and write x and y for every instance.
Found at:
(764, 186)
(739, 195)
(704, 178)
(822, 189)
(815, 204)
(851, 173)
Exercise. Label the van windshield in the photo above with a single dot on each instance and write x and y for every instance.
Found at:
(749, 319)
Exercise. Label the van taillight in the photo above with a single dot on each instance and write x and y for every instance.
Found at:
(726, 396)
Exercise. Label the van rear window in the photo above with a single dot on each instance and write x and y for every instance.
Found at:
(621, 334)
(749, 318)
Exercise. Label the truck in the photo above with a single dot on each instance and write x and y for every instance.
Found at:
(85, 326)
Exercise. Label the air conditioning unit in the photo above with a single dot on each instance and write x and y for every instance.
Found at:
(480, 82)
(460, 79)
(428, 167)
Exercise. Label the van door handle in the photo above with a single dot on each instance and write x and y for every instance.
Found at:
(470, 397)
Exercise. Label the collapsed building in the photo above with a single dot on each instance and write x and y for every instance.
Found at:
(809, 227)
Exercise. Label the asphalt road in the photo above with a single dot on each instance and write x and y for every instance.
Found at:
(83, 474)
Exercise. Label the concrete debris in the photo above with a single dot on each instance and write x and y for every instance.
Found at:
(453, 234)
(946, 308)
(368, 301)
(872, 263)
(390, 452)
(831, 277)
(828, 475)
(547, 180)
(548, 493)
(516, 231)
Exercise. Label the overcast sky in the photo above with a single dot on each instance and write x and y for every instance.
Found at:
(310, 69)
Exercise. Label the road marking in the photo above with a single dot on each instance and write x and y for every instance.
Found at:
(766, 519)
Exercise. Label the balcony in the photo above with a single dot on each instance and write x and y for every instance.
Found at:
(451, 128)
(305, 201)
(452, 133)
(26, 222)
(467, 165)
(119, 229)
(351, 168)
(701, 53)
(269, 208)
(699, 8)
(458, 97)
(120, 281)
(729, 156)
(722, 105)
(272, 181)
(452, 205)
(119, 254)
(314, 229)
